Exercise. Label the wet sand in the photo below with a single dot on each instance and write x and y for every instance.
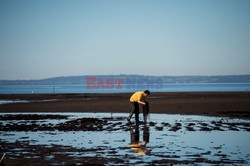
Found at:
(22, 152)
(26, 151)
(232, 104)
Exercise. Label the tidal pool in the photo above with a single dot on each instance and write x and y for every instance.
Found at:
(105, 138)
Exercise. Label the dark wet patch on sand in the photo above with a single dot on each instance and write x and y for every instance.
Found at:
(107, 124)
(52, 155)
(31, 117)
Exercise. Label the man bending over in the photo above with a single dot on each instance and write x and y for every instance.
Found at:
(136, 99)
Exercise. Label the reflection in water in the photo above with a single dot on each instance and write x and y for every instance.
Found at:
(137, 145)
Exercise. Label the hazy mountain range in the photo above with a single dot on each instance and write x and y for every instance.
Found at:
(68, 80)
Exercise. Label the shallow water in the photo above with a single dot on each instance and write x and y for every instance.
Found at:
(177, 139)
(13, 101)
(170, 87)
(25, 101)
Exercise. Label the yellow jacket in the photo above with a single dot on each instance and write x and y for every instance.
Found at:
(137, 96)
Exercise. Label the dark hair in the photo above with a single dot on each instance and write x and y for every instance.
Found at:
(147, 92)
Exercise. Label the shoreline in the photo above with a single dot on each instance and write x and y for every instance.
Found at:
(224, 104)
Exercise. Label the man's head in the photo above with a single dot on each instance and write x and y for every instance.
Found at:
(146, 92)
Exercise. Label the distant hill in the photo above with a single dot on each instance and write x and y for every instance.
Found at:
(69, 80)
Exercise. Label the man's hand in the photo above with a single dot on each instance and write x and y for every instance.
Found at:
(141, 102)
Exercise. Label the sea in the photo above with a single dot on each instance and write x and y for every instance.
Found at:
(177, 87)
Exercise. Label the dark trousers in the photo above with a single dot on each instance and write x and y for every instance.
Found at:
(145, 109)
(135, 110)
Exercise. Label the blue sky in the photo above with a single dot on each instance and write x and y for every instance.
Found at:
(47, 38)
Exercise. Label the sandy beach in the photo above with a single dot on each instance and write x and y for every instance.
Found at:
(233, 104)
(73, 141)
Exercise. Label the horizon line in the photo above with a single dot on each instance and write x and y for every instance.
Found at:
(127, 75)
